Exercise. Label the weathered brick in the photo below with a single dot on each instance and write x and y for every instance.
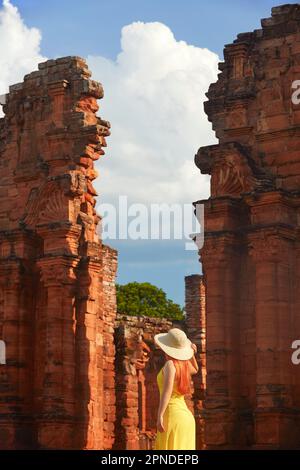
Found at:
(52, 264)
(250, 257)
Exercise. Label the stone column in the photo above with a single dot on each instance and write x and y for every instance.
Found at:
(295, 372)
(220, 266)
(17, 329)
(272, 254)
(109, 350)
(195, 326)
(89, 355)
(12, 395)
(55, 368)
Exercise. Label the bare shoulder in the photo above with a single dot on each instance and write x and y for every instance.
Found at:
(169, 368)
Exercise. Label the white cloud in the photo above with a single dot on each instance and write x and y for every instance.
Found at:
(19, 47)
(154, 95)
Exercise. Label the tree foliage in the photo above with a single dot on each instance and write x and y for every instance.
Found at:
(143, 298)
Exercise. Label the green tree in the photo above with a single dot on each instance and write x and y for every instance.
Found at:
(142, 298)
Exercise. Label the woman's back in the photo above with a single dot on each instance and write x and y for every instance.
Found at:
(178, 419)
(160, 382)
(175, 422)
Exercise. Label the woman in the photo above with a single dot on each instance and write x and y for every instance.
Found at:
(175, 422)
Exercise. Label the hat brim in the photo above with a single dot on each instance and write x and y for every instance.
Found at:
(182, 354)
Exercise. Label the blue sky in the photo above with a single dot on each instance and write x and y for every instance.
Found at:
(93, 28)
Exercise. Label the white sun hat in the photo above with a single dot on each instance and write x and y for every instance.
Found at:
(175, 344)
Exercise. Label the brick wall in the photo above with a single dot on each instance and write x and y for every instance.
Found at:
(250, 255)
(51, 263)
(110, 311)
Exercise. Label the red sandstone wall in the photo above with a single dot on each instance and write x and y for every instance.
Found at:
(109, 313)
(251, 251)
(51, 264)
(138, 362)
(137, 365)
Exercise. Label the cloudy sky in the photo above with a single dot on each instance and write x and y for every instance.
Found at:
(155, 60)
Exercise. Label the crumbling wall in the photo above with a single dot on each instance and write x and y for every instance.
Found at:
(250, 255)
(51, 263)
(138, 361)
(110, 261)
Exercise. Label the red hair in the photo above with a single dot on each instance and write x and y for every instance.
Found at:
(183, 375)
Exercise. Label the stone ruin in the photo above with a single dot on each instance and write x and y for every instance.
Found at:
(54, 270)
(251, 252)
(66, 358)
(73, 373)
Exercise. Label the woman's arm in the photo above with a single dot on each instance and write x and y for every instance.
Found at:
(169, 375)
(193, 363)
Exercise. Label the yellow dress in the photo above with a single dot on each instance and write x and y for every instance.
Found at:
(179, 423)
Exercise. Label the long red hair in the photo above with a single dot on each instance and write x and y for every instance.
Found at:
(183, 375)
